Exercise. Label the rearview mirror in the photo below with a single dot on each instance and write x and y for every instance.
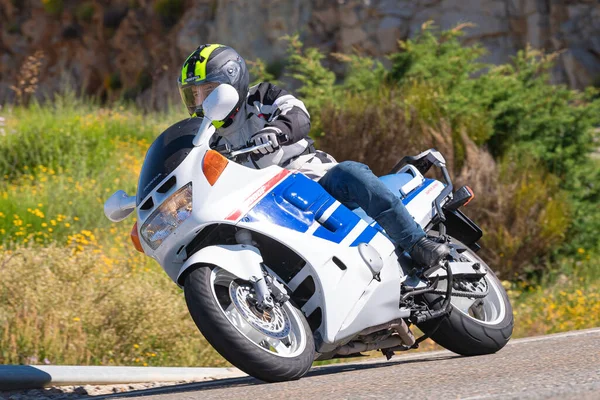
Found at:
(119, 206)
(216, 107)
(220, 102)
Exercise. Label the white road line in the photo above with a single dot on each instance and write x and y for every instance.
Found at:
(591, 331)
(513, 342)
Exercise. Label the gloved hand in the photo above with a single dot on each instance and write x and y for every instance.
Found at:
(265, 135)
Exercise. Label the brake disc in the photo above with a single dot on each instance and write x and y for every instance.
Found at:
(274, 322)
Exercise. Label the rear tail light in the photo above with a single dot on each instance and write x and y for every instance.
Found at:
(462, 197)
(471, 197)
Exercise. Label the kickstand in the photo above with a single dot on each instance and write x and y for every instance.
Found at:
(387, 353)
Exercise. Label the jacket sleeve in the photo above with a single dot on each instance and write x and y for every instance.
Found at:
(287, 113)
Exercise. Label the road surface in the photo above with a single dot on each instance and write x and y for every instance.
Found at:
(562, 366)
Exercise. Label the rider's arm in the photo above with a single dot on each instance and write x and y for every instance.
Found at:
(282, 111)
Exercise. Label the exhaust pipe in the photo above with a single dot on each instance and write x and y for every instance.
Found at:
(405, 338)
(398, 325)
(358, 347)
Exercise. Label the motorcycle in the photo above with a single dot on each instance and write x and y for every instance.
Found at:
(277, 273)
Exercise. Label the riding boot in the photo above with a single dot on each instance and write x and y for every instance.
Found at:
(428, 252)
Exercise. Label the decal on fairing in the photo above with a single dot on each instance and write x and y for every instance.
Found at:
(426, 184)
(365, 236)
(254, 197)
(300, 204)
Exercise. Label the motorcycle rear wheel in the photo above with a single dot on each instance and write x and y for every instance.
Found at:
(484, 327)
(271, 346)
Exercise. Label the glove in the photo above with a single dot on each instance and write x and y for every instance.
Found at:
(265, 135)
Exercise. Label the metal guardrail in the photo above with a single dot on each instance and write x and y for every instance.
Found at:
(13, 377)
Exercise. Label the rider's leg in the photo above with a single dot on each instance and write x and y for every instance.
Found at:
(353, 183)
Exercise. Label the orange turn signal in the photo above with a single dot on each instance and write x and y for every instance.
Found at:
(135, 238)
(472, 195)
(213, 166)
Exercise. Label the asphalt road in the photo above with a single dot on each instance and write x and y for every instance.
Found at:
(563, 366)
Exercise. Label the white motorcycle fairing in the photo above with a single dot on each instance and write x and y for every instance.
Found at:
(277, 268)
(348, 294)
(242, 260)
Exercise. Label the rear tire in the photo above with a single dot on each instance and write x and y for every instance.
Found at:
(208, 307)
(471, 335)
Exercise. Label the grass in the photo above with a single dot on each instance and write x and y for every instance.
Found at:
(568, 298)
(94, 306)
(61, 162)
(73, 290)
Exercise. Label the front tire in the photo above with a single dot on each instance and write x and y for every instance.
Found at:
(482, 327)
(271, 346)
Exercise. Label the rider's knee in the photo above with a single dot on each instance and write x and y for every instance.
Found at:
(352, 170)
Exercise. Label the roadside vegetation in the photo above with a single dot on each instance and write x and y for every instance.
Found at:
(74, 291)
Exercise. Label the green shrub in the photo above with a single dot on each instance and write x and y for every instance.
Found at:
(440, 86)
(524, 216)
(259, 73)
(439, 64)
(316, 82)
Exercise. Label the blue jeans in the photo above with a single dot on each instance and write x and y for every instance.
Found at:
(354, 185)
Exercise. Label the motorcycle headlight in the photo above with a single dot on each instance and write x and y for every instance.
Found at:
(171, 213)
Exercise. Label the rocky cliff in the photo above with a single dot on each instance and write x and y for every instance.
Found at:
(133, 48)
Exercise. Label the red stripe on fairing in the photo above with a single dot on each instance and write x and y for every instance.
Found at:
(257, 195)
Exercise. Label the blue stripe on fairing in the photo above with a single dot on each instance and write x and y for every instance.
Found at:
(294, 203)
(274, 208)
(297, 202)
(375, 225)
(365, 237)
(338, 225)
(369, 233)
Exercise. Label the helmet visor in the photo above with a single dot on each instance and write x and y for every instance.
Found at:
(194, 95)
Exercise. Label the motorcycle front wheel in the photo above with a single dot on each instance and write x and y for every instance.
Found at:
(475, 326)
(273, 346)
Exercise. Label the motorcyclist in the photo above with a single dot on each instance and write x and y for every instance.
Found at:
(266, 113)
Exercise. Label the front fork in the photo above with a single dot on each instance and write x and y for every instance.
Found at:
(267, 289)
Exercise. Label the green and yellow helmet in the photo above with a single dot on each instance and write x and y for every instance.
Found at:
(206, 68)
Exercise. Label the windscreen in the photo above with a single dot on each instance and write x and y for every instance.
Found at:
(165, 154)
